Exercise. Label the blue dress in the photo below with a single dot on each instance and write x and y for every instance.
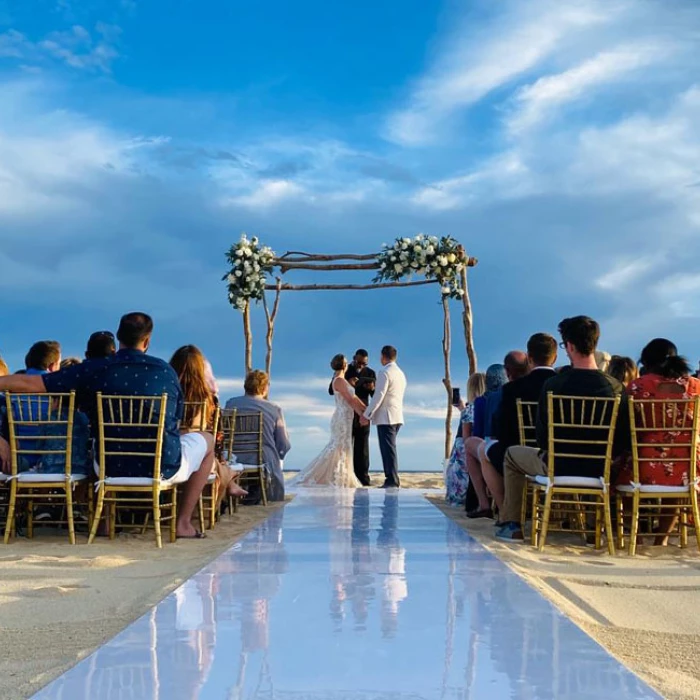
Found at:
(456, 476)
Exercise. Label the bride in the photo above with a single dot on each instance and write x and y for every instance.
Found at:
(334, 466)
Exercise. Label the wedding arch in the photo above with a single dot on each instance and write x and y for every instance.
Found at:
(407, 262)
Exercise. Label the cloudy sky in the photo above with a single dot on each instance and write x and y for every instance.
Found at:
(559, 141)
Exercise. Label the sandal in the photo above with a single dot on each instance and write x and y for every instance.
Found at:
(197, 536)
(485, 513)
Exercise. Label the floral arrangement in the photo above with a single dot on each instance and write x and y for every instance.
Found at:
(442, 259)
(250, 263)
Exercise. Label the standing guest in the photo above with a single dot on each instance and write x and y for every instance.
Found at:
(580, 336)
(100, 345)
(190, 366)
(624, 369)
(665, 375)
(484, 409)
(69, 362)
(456, 476)
(542, 354)
(275, 438)
(186, 459)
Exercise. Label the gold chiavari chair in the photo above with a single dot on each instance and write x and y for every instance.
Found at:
(143, 418)
(527, 420)
(580, 429)
(227, 426)
(248, 448)
(199, 417)
(679, 419)
(40, 429)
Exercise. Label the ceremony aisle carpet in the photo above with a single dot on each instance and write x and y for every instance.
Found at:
(367, 594)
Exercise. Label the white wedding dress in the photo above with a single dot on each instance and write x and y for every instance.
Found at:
(334, 466)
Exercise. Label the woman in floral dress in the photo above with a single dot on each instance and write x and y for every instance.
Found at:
(456, 477)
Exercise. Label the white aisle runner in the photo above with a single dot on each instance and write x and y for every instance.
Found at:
(371, 595)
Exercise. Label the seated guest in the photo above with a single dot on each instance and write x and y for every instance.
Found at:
(602, 360)
(456, 477)
(69, 362)
(4, 445)
(665, 375)
(186, 459)
(484, 409)
(100, 345)
(579, 338)
(43, 357)
(191, 369)
(542, 354)
(275, 439)
(624, 369)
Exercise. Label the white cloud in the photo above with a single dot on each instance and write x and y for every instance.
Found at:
(472, 64)
(535, 103)
(267, 193)
(624, 273)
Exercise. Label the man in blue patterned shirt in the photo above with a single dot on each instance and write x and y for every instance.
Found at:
(187, 458)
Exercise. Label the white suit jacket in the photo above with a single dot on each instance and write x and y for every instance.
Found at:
(386, 406)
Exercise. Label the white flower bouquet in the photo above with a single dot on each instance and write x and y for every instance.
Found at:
(442, 259)
(250, 264)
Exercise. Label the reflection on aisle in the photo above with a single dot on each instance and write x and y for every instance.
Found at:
(353, 595)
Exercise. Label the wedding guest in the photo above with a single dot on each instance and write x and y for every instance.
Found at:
(43, 357)
(665, 375)
(275, 438)
(484, 408)
(190, 366)
(602, 360)
(69, 362)
(580, 336)
(100, 345)
(624, 369)
(542, 354)
(186, 459)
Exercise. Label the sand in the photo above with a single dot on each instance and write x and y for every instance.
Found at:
(645, 609)
(59, 602)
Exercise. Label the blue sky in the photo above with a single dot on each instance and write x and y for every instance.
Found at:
(558, 141)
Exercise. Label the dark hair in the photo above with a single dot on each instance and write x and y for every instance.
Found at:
(338, 362)
(134, 328)
(516, 364)
(100, 344)
(624, 369)
(660, 356)
(361, 352)
(542, 349)
(42, 355)
(582, 332)
(390, 353)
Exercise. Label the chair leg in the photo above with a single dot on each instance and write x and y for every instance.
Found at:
(696, 514)
(173, 515)
(69, 513)
(10, 524)
(113, 519)
(599, 527)
(634, 524)
(263, 489)
(523, 510)
(683, 526)
(213, 499)
(620, 522)
(98, 514)
(545, 520)
(609, 536)
(30, 516)
(156, 520)
(535, 516)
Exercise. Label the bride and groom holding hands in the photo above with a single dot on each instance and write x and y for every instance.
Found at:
(361, 399)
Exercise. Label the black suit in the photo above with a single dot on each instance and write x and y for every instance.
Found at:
(527, 388)
(360, 433)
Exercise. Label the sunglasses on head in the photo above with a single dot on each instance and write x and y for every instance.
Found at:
(102, 334)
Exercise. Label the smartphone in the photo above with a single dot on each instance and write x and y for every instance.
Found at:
(455, 396)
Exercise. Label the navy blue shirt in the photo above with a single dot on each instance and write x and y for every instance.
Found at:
(128, 373)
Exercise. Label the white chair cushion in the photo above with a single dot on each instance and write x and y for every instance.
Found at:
(33, 478)
(571, 481)
(653, 488)
(134, 481)
(211, 478)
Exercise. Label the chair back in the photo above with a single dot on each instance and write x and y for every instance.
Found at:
(40, 429)
(665, 430)
(581, 432)
(527, 422)
(131, 431)
(248, 438)
(198, 416)
(227, 427)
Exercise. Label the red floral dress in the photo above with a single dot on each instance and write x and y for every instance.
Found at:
(664, 470)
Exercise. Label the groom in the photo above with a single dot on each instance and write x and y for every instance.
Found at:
(385, 410)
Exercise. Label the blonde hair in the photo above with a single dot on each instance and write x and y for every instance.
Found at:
(4, 369)
(476, 386)
(256, 383)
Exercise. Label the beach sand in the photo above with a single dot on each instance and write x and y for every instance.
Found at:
(645, 609)
(59, 602)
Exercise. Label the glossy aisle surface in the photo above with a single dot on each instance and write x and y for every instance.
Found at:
(353, 595)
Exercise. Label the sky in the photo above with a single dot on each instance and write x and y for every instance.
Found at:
(558, 141)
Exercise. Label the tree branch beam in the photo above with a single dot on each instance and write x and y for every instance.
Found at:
(357, 287)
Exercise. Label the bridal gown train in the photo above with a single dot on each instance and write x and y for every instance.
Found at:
(334, 466)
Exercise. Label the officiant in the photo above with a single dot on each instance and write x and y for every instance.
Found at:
(363, 378)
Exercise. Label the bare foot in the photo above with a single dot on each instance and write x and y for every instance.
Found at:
(236, 490)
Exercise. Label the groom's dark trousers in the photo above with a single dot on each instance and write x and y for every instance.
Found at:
(360, 449)
(387, 446)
